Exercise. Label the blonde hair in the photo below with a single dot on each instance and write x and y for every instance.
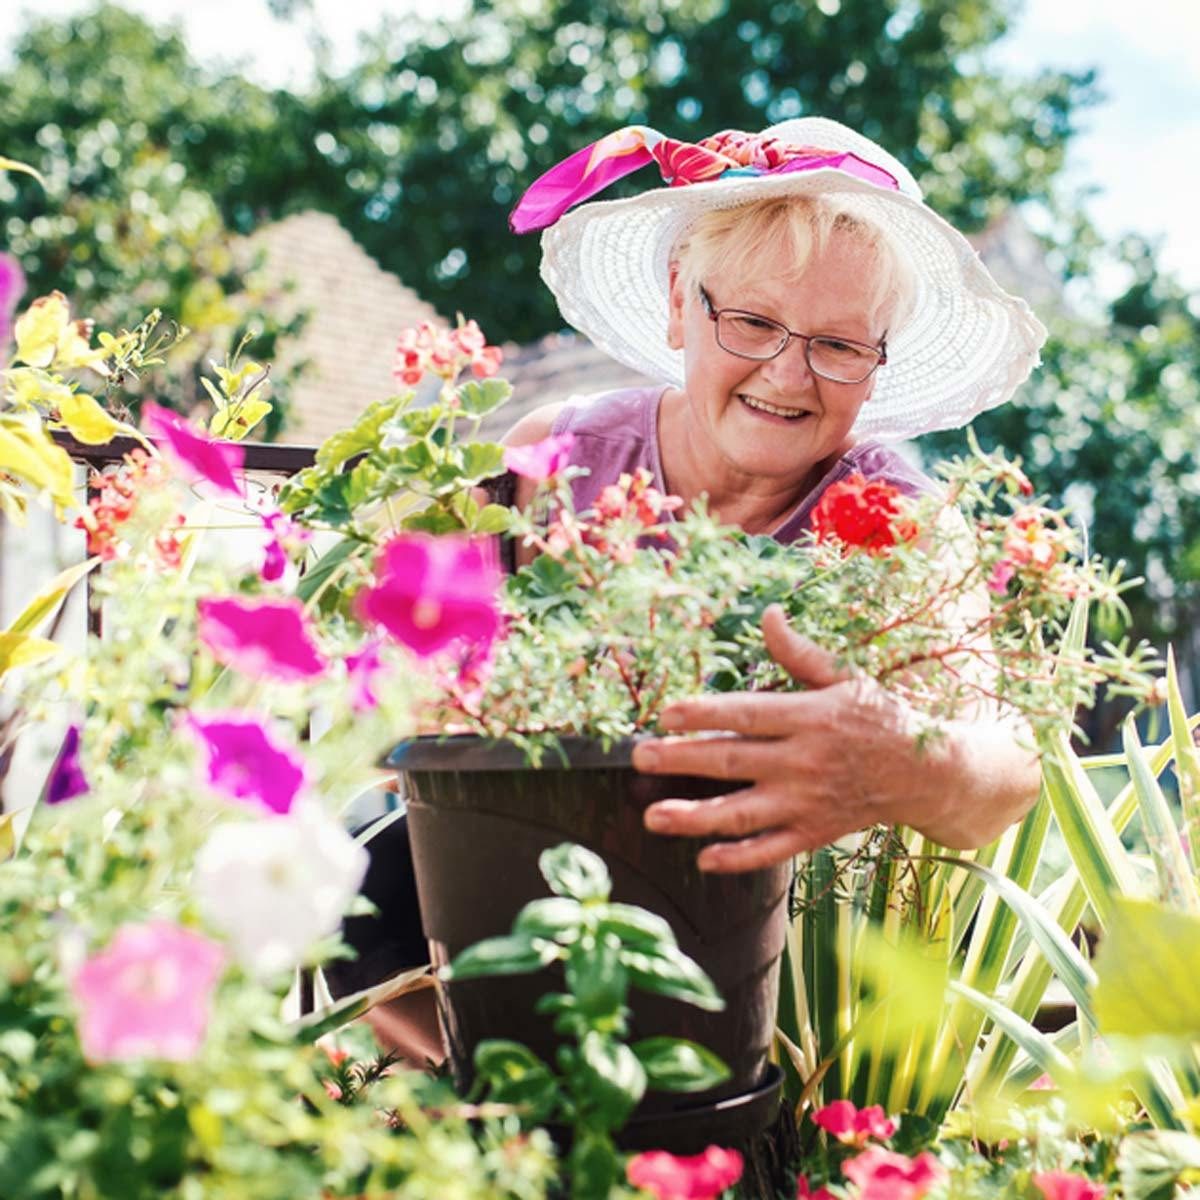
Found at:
(727, 243)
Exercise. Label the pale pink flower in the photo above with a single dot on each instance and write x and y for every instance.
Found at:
(260, 636)
(200, 457)
(885, 1175)
(248, 762)
(148, 995)
(433, 591)
(542, 460)
(1062, 1185)
(692, 1177)
(1030, 542)
(1002, 573)
(854, 1126)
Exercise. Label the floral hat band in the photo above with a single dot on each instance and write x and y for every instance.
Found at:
(725, 154)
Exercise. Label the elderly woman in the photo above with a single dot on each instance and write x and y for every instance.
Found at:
(802, 306)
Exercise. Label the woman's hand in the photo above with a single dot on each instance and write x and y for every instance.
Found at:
(828, 761)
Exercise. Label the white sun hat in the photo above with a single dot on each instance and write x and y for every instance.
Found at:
(966, 346)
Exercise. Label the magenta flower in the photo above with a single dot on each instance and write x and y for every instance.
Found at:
(854, 1126)
(543, 460)
(12, 288)
(283, 536)
(248, 763)
(147, 995)
(1062, 1185)
(364, 670)
(689, 1177)
(66, 779)
(200, 457)
(884, 1175)
(432, 591)
(260, 636)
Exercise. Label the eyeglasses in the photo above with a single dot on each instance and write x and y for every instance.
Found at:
(748, 335)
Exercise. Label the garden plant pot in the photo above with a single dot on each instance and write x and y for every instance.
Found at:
(479, 817)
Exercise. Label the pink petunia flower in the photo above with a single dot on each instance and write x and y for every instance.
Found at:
(1002, 572)
(803, 1192)
(854, 1126)
(66, 780)
(148, 995)
(200, 457)
(1062, 1185)
(260, 636)
(694, 1177)
(12, 287)
(542, 460)
(433, 591)
(248, 763)
(283, 537)
(885, 1175)
(364, 670)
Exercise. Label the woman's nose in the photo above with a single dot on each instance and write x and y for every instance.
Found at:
(789, 369)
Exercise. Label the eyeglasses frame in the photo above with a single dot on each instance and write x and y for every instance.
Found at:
(714, 314)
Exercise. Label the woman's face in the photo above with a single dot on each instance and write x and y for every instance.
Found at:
(726, 394)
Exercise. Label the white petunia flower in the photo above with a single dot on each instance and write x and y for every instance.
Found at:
(276, 885)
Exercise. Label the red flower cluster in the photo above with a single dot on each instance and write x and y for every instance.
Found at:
(854, 1126)
(885, 1175)
(863, 513)
(115, 502)
(693, 1177)
(444, 352)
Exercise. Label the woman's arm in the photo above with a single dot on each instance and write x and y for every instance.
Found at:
(843, 755)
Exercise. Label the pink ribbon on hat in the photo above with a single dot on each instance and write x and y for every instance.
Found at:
(593, 168)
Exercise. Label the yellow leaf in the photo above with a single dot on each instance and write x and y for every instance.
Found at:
(8, 835)
(236, 420)
(1147, 967)
(49, 598)
(39, 327)
(234, 381)
(21, 649)
(11, 164)
(29, 454)
(26, 388)
(86, 420)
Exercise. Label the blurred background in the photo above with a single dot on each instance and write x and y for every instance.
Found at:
(323, 173)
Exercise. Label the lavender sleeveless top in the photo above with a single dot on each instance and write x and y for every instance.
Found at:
(617, 432)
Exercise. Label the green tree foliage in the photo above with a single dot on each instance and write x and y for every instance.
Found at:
(104, 106)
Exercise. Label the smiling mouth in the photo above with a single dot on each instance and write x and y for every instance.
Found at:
(790, 414)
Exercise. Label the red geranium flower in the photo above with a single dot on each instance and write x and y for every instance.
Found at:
(863, 513)
(884, 1175)
(695, 1177)
(1062, 1185)
(854, 1126)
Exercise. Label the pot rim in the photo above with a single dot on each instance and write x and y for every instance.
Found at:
(470, 752)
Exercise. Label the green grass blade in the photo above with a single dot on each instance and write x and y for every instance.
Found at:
(1187, 764)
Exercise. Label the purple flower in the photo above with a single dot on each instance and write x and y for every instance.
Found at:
(147, 995)
(248, 763)
(432, 591)
(66, 779)
(12, 288)
(265, 636)
(364, 670)
(542, 460)
(219, 463)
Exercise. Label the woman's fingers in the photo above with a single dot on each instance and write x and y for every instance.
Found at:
(756, 714)
(712, 758)
(736, 815)
(754, 853)
(803, 660)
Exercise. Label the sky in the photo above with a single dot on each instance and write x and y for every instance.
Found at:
(1140, 148)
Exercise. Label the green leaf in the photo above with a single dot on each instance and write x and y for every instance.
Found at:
(512, 954)
(574, 871)
(677, 1065)
(477, 398)
(481, 460)
(669, 972)
(1187, 762)
(594, 1167)
(48, 599)
(1035, 1043)
(515, 1075)
(1150, 1162)
(596, 978)
(364, 435)
(1148, 964)
(610, 1079)
(555, 917)
(330, 562)
(492, 518)
(636, 927)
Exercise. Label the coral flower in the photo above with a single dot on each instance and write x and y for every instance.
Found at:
(148, 994)
(854, 1126)
(260, 637)
(697, 1177)
(884, 1175)
(1030, 542)
(1062, 1185)
(66, 779)
(248, 763)
(543, 460)
(862, 513)
(433, 591)
(200, 457)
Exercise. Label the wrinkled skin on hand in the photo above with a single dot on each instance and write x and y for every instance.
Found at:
(839, 757)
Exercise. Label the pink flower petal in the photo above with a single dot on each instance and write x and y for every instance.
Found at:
(1062, 1185)
(200, 457)
(148, 994)
(260, 636)
(248, 763)
(542, 460)
(693, 1177)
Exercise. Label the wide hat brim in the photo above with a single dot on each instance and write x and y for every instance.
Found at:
(967, 346)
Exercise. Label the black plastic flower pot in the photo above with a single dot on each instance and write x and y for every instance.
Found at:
(479, 817)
